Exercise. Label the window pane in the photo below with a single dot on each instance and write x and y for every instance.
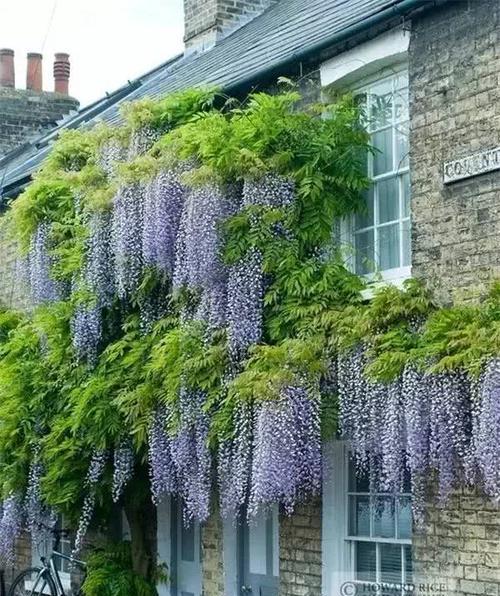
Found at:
(363, 245)
(382, 160)
(406, 195)
(408, 565)
(406, 239)
(383, 517)
(358, 481)
(389, 246)
(366, 562)
(381, 99)
(390, 563)
(401, 80)
(404, 517)
(402, 146)
(257, 536)
(388, 200)
(364, 219)
(359, 516)
(187, 542)
(401, 105)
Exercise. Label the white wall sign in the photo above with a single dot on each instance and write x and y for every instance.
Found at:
(472, 165)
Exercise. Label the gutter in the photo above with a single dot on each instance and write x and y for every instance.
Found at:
(399, 9)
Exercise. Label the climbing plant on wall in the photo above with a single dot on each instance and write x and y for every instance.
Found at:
(194, 324)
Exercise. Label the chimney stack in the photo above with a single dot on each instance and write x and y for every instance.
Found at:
(34, 72)
(208, 21)
(61, 73)
(7, 71)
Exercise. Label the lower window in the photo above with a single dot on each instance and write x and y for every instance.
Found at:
(378, 535)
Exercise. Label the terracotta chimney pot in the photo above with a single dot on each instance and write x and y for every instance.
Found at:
(62, 71)
(34, 80)
(7, 70)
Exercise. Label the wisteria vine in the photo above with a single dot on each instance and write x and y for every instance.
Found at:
(225, 227)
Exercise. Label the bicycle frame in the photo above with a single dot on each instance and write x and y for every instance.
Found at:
(49, 569)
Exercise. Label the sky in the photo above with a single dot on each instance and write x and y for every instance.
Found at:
(109, 41)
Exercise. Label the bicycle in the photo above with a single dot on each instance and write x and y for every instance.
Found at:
(44, 580)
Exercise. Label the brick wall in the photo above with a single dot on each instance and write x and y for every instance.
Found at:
(23, 114)
(458, 548)
(205, 21)
(212, 556)
(300, 551)
(454, 67)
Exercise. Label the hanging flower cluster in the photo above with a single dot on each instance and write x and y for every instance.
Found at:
(40, 520)
(286, 462)
(127, 234)
(191, 456)
(161, 467)
(43, 287)
(94, 474)
(486, 429)
(244, 312)
(123, 469)
(234, 460)
(163, 206)
(421, 422)
(11, 525)
(198, 262)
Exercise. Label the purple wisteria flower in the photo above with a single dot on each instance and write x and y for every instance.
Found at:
(43, 287)
(123, 468)
(198, 262)
(245, 290)
(141, 140)
(110, 153)
(418, 423)
(163, 206)
(99, 273)
(234, 463)
(94, 474)
(11, 525)
(245, 304)
(86, 332)
(450, 420)
(487, 443)
(191, 456)
(127, 234)
(286, 463)
(270, 190)
(40, 519)
(161, 467)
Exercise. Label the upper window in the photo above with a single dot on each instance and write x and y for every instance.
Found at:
(381, 232)
(378, 536)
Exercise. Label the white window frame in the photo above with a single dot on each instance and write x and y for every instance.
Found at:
(338, 545)
(396, 275)
(355, 69)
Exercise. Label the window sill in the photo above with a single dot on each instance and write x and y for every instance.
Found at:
(393, 277)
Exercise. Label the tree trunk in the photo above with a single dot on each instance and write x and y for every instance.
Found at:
(141, 517)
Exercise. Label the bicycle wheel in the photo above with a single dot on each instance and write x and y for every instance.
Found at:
(33, 582)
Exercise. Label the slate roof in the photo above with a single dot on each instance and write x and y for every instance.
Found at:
(288, 31)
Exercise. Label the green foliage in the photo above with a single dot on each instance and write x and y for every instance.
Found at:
(313, 305)
(464, 336)
(110, 573)
(171, 111)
